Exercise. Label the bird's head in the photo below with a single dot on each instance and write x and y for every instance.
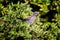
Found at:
(35, 13)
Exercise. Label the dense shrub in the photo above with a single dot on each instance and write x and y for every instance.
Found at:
(13, 15)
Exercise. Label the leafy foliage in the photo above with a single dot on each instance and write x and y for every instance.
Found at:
(13, 14)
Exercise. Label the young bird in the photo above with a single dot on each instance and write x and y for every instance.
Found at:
(31, 19)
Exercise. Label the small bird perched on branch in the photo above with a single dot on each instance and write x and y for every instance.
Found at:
(31, 19)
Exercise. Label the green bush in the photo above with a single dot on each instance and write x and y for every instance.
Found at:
(13, 14)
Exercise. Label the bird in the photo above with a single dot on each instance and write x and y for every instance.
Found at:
(31, 19)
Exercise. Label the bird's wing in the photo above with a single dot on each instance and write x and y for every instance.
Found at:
(28, 18)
